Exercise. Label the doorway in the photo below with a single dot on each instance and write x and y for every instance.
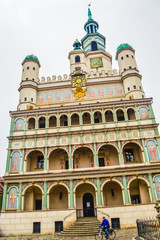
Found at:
(88, 205)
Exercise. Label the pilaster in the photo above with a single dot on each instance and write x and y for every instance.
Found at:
(96, 164)
(45, 196)
(150, 179)
(20, 197)
(152, 114)
(71, 186)
(144, 150)
(99, 196)
(121, 160)
(70, 158)
(126, 195)
(4, 197)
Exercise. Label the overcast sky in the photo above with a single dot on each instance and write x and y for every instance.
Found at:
(48, 28)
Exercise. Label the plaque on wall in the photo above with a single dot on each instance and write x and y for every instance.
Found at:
(96, 62)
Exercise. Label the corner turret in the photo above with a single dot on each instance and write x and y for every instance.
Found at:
(28, 86)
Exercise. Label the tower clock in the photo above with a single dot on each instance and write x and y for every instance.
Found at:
(78, 80)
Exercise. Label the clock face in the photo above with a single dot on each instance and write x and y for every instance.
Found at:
(96, 62)
(78, 81)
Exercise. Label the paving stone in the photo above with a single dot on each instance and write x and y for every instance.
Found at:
(124, 234)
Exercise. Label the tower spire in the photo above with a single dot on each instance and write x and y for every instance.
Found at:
(89, 13)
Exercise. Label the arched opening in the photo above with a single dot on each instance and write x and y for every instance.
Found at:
(139, 192)
(58, 197)
(131, 114)
(109, 116)
(52, 121)
(31, 123)
(83, 158)
(64, 120)
(35, 161)
(75, 119)
(58, 159)
(97, 117)
(77, 59)
(85, 200)
(94, 46)
(112, 194)
(42, 122)
(108, 156)
(86, 118)
(132, 153)
(33, 199)
(120, 115)
(88, 205)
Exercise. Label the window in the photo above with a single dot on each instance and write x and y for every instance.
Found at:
(26, 78)
(94, 46)
(128, 88)
(32, 79)
(101, 162)
(127, 56)
(140, 87)
(36, 227)
(91, 29)
(27, 68)
(77, 68)
(121, 58)
(58, 226)
(132, 56)
(115, 223)
(120, 115)
(142, 96)
(124, 69)
(66, 164)
(130, 67)
(135, 199)
(134, 86)
(33, 68)
(42, 122)
(38, 204)
(77, 59)
(31, 99)
(65, 123)
(129, 155)
(25, 99)
(96, 120)
(40, 163)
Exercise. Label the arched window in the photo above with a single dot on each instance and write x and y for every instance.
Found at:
(94, 46)
(77, 59)
(131, 114)
(31, 123)
(120, 115)
(42, 122)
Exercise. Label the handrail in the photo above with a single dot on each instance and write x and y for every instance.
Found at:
(104, 213)
(69, 214)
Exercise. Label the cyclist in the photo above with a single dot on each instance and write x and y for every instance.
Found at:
(105, 226)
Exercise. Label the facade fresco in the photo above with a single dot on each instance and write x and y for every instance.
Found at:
(19, 124)
(152, 150)
(92, 92)
(15, 162)
(12, 198)
(157, 185)
(143, 113)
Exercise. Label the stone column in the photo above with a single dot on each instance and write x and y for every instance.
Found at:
(22, 165)
(96, 164)
(144, 149)
(70, 158)
(45, 159)
(121, 160)
(36, 125)
(103, 118)
(4, 197)
(152, 114)
(25, 125)
(69, 121)
(45, 196)
(126, 195)
(99, 195)
(71, 186)
(126, 116)
(20, 197)
(58, 122)
(115, 117)
(150, 179)
(137, 116)
(47, 123)
(92, 119)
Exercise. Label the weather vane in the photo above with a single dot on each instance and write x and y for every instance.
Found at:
(89, 4)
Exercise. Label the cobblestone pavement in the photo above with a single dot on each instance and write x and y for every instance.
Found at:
(124, 234)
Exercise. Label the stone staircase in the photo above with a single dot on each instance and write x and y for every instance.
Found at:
(82, 227)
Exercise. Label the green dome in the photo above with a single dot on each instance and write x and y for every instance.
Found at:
(123, 45)
(31, 57)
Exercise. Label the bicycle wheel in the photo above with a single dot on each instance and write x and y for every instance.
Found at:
(98, 236)
(112, 234)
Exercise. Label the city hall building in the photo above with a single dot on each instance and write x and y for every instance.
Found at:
(83, 145)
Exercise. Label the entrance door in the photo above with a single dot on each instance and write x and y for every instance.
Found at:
(88, 205)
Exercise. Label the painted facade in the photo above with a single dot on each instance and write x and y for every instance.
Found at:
(91, 145)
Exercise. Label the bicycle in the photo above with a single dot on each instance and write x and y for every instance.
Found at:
(101, 234)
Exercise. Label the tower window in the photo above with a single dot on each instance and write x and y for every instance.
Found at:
(32, 79)
(33, 68)
(77, 59)
(121, 58)
(132, 56)
(124, 69)
(142, 96)
(91, 29)
(129, 67)
(31, 99)
(134, 86)
(127, 56)
(25, 99)
(27, 68)
(128, 88)
(94, 46)
(140, 87)
(26, 78)
(77, 68)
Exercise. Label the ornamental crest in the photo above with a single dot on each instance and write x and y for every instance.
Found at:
(79, 93)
